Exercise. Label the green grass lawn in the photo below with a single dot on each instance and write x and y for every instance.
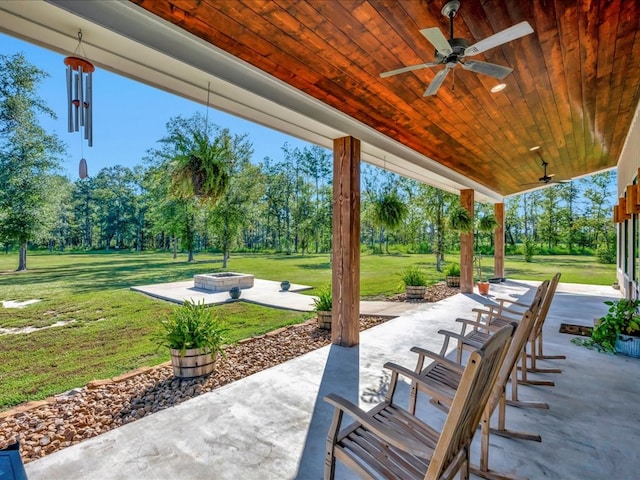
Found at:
(110, 327)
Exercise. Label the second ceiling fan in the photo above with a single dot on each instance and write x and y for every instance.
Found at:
(454, 51)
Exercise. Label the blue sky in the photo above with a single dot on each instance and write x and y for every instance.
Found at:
(129, 117)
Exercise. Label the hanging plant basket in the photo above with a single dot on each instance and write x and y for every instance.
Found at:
(460, 220)
(487, 223)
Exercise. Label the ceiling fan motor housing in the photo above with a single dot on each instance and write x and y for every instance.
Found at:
(458, 45)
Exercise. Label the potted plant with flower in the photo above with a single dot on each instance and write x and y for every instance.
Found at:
(322, 305)
(195, 337)
(619, 330)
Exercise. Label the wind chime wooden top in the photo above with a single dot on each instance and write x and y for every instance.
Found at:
(80, 97)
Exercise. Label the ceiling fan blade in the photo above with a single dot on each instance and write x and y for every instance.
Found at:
(438, 40)
(436, 82)
(505, 36)
(408, 69)
(491, 69)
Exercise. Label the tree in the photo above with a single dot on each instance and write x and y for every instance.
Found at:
(28, 155)
(435, 203)
(114, 192)
(58, 213)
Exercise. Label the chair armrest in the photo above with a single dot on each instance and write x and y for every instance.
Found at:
(438, 358)
(461, 338)
(403, 442)
(472, 323)
(433, 389)
(512, 302)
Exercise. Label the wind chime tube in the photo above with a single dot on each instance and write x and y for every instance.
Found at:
(76, 85)
(81, 95)
(69, 99)
(89, 125)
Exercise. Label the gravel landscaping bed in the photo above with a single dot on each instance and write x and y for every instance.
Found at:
(64, 420)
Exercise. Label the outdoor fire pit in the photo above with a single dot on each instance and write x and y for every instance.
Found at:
(222, 282)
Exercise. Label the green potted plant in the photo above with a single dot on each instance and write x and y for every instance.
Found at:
(487, 223)
(322, 305)
(460, 220)
(414, 281)
(195, 337)
(483, 286)
(452, 274)
(617, 331)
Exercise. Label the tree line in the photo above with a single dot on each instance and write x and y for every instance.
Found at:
(200, 189)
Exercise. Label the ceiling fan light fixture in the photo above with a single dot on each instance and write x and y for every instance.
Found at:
(498, 88)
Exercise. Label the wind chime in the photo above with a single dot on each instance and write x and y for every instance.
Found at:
(80, 97)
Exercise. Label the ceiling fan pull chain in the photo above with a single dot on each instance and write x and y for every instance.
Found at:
(453, 81)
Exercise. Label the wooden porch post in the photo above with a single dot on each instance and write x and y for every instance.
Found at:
(498, 241)
(345, 321)
(466, 246)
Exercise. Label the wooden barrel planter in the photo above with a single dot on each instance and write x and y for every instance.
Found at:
(324, 320)
(415, 292)
(194, 363)
(453, 281)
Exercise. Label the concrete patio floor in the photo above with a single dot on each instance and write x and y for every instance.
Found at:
(273, 425)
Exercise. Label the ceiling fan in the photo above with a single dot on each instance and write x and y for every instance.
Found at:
(454, 51)
(546, 178)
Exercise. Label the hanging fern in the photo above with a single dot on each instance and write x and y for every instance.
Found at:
(487, 223)
(201, 171)
(460, 220)
(390, 211)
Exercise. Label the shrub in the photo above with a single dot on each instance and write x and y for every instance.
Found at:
(452, 270)
(606, 255)
(192, 325)
(528, 249)
(324, 301)
(413, 277)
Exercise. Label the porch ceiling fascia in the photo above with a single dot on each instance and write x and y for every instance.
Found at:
(126, 39)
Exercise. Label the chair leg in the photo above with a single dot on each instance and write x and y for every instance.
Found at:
(524, 380)
(542, 356)
(332, 439)
(483, 470)
(502, 420)
(533, 356)
(515, 401)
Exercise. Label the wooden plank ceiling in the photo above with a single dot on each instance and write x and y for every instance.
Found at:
(573, 91)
